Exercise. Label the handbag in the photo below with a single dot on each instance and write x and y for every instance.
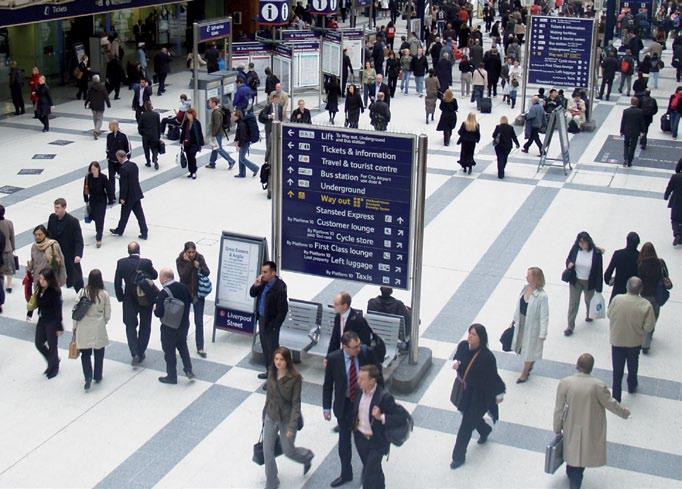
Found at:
(32, 303)
(88, 215)
(27, 284)
(73, 348)
(667, 283)
(204, 286)
(162, 148)
(16, 263)
(568, 275)
(181, 159)
(457, 393)
(80, 308)
(663, 286)
(554, 454)
(507, 338)
(258, 455)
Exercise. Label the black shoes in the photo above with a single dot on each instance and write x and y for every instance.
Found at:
(142, 236)
(148, 164)
(167, 380)
(456, 464)
(307, 465)
(263, 376)
(339, 481)
(116, 232)
(677, 240)
(201, 353)
(255, 172)
(190, 375)
(87, 385)
(483, 439)
(136, 361)
(156, 165)
(568, 332)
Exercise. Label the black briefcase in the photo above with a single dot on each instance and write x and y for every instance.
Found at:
(485, 105)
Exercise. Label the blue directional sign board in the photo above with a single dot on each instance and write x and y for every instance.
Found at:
(560, 51)
(215, 30)
(346, 204)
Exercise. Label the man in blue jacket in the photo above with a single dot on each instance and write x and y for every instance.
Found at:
(241, 96)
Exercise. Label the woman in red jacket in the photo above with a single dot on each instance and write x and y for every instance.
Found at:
(33, 84)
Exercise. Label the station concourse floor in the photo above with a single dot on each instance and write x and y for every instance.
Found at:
(481, 234)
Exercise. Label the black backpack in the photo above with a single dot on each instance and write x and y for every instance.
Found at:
(252, 80)
(227, 118)
(265, 175)
(252, 125)
(649, 106)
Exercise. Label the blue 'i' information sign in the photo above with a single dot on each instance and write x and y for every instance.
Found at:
(560, 51)
(346, 204)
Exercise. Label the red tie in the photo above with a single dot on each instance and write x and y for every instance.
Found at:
(352, 380)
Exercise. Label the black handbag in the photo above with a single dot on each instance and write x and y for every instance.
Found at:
(507, 337)
(258, 455)
(458, 388)
(568, 275)
(162, 148)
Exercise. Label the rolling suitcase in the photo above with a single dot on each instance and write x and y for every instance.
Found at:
(554, 454)
(665, 122)
(486, 105)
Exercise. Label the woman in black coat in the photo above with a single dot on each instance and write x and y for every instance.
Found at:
(333, 91)
(503, 137)
(448, 116)
(192, 140)
(44, 104)
(476, 366)
(469, 135)
(393, 72)
(624, 264)
(353, 107)
(585, 273)
(444, 72)
(673, 194)
(651, 269)
(301, 115)
(96, 196)
(49, 326)
(82, 82)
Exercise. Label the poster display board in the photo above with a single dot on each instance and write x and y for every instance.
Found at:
(560, 51)
(331, 53)
(353, 44)
(281, 65)
(306, 59)
(347, 204)
(239, 264)
(294, 35)
(557, 123)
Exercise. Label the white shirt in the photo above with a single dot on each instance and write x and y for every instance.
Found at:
(342, 322)
(364, 416)
(583, 264)
(141, 96)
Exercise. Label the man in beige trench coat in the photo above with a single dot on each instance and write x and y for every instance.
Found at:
(580, 414)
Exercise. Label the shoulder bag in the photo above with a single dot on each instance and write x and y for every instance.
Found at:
(664, 285)
(73, 348)
(507, 338)
(458, 388)
(204, 286)
(258, 455)
(80, 309)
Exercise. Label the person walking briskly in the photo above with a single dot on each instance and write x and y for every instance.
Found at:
(652, 270)
(584, 270)
(624, 264)
(626, 67)
(116, 141)
(90, 333)
(631, 128)
(580, 416)
(96, 196)
(448, 116)
(141, 94)
(130, 196)
(192, 140)
(149, 127)
(533, 122)
(174, 325)
(216, 133)
(115, 76)
(191, 269)
(271, 306)
(162, 61)
(673, 194)
(242, 139)
(339, 392)
(82, 75)
(353, 106)
(7, 268)
(282, 416)
(44, 104)
(469, 134)
(16, 88)
(631, 317)
(66, 230)
(479, 80)
(649, 108)
(347, 69)
(95, 99)
(135, 306)
(418, 67)
(477, 368)
(49, 327)
(531, 319)
(379, 113)
(675, 110)
(609, 67)
(503, 137)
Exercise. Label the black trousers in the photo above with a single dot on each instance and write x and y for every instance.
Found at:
(269, 340)
(575, 476)
(171, 340)
(116, 87)
(492, 88)
(45, 119)
(392, 84)
(98, 212)
(17, 99)
(138, 339)
(642, 139)
(629, 147)
(86, 363)
(605, 84)
(344, 81)
(162, 82)
(136, 208)
(46, 333)
(346, 422)
(620, 355)
(152, 145)
(74, 273)
(191, 154)
(472, 419)
(447, 134)
(534, 138)
(371, 455)
(113, 167)
(502, 155)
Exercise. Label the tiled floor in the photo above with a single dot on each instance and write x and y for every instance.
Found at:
(480, 236)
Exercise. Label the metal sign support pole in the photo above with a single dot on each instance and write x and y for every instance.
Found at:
(276, 186)
(526, 64)
(418, 246)
(195, 63)
(291, 80)
(594, 66)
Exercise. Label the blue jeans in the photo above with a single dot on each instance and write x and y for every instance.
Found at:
(674, 122)
(419, 80)
(477, 94)
(654, 78)
(405, 82)
(244, 163)
(625, 81)
(365, 94)
(220, 151)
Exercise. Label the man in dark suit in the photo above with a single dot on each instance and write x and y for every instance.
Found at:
(348, 319)
(130, 197)
(341, 385)
(631, 128)
(272, 308)
(380, 87)
(212, 56)
(347, 69)
(373, 410)
(149, 127)
(162, 68)
(624, 264)
(116, 141)
(126, 271)
(673, 194)
(66, 230)
(141, 95)
(173, 338)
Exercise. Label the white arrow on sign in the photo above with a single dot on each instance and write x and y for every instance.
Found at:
(291, 157)
(269, 12)
(290, 145)
(290, 170)
(290, 132)
(290, 181)
(400, 220)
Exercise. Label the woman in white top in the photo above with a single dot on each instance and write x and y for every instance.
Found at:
(91, 331)
(584, 273)
(531, 319)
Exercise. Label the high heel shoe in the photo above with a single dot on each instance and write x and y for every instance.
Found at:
(521, 380)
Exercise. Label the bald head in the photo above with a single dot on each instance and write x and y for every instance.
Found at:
(634, 286)
(585, 363)
(166, 275)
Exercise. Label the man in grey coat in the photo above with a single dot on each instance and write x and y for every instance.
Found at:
(95, 99)
(534, 119)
